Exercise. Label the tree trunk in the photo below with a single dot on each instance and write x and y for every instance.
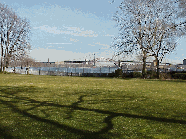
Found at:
(7, 51)
(158, 69)
(1, 52)
(4, 65)
(6, 58)
(14, 69)
(144, 65)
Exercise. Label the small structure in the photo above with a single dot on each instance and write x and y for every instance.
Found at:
(154, 63)
(184, 62)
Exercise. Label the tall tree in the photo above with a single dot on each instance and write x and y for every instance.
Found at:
(148, 27)
(14, 35)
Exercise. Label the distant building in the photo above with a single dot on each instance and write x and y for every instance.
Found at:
(184, 62)
(44, 64)
(154, 63)
(74, 62)
(47, 62)
(60, 62)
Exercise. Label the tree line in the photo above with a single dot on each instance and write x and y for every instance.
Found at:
(149, 28)
(14, 35)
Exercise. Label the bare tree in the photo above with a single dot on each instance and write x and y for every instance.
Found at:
(2, 18)
(165, 29)
(148, 27)
(14, 35)
(182, 15)
(182, 5)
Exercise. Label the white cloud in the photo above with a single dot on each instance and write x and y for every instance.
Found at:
(91, 45)
(107, 46)
(108, 35)
(48, 29)
(74, 40)
(75, 31)
(59, 43)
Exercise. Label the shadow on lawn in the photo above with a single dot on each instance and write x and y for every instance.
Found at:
(8, 92)
(4, 133)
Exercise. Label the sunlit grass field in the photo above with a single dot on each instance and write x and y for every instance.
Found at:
(98, 108)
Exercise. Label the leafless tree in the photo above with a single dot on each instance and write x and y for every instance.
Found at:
(149, 27)
(182, 5)
(14, 35)
(182, 15)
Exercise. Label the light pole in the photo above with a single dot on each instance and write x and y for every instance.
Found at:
(94, 60)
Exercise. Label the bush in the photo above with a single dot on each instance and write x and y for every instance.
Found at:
(118, 73)
(151, 74)
(137, 74)
(111, 74)
(179, 76)
(4, 72)
(124, 75)
(164, 76)
(132, 75)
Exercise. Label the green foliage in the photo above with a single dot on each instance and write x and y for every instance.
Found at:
(137, 75)
(85, 107)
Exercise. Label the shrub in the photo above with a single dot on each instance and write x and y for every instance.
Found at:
(137, 74)
(4, 72)
(124, 75)
(151, 74)
(111, 74)
(118, 73)
(164, 76)
(179, 76)
(132, 75)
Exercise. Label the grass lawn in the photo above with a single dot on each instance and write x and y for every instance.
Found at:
(98, 108)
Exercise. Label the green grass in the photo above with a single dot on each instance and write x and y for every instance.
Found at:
(77, 107)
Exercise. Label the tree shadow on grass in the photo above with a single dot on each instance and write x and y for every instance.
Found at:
(9, 96)
(4, 133)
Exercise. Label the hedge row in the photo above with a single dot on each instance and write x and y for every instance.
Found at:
(179, 76)
(149, 75)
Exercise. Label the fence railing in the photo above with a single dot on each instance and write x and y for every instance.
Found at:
(66, 71)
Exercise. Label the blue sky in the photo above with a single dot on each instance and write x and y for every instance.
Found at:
(74, 29)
